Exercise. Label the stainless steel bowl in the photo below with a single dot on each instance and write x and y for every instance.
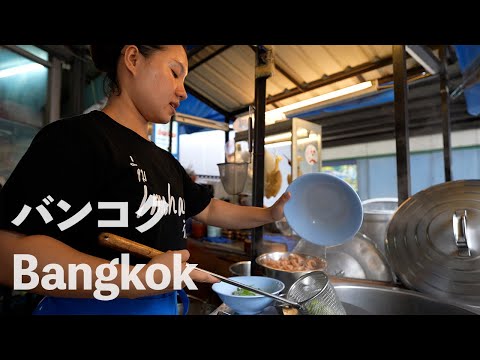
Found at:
(287, 277)
(241, 268)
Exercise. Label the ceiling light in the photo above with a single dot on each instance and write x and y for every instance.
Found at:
(287, 136)
(279, 114)
(20, 69)
(201, 122)
(278, 138)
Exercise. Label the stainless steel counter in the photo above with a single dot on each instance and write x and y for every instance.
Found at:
(381, 300)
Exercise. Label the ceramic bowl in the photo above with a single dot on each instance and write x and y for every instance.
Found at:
(248, 304)
(323, 209)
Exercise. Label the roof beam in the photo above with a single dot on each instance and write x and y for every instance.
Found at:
(209, 57)
(339, 76)
(289, 76)
(426, 126)
(471, 76)
(417, 119)
(422, 96)
(342, 75)
(284, 72)
(425, 57)
(27, 54)
(412, 74)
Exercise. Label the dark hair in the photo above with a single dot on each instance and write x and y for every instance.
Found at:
(105, 58)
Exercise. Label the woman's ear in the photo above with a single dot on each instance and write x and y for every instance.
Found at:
(130, 57)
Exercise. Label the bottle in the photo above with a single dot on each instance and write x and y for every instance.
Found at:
(199, 229)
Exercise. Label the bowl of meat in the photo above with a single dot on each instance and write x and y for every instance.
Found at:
(288, 267)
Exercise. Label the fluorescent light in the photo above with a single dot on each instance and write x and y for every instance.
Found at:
(287, 136)
(278, 144)
(280, 141)
(20, 69)
(279, 114)
(201, 122)
(278, 138)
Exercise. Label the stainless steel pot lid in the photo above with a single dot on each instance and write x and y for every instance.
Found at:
(433, 241)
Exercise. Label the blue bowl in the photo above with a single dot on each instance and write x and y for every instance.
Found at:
(253, 304)
(323, 209)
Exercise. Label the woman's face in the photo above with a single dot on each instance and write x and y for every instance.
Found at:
(158, 84)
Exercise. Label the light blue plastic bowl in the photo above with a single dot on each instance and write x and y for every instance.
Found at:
(248, 305)
(323, 209)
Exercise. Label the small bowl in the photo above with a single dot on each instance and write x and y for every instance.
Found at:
(248, 305)
(323, 209)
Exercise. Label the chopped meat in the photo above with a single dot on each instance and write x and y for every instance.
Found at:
(295, 263)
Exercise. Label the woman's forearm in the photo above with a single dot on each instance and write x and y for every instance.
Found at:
(36, 255)
(224, 214)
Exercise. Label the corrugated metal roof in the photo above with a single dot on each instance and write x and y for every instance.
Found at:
(222, 78)
(228, 78)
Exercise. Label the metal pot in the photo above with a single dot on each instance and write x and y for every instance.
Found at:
(377, 213)
(287, 277)
(241, 268)
(433, 241)
(382, 300)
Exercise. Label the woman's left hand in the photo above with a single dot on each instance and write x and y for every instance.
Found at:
(276, 210)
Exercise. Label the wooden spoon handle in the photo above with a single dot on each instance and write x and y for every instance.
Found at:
(122, 244)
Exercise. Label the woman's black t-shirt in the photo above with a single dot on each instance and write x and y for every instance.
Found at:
(89, 174)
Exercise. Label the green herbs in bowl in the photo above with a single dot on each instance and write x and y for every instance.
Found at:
(243, 292)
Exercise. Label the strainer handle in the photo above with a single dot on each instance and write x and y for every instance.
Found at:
(120, 243)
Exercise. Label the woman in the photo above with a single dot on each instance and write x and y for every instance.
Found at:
(98, 172)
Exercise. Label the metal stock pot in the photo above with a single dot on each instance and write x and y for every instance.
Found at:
(377, 213)
(433, 242)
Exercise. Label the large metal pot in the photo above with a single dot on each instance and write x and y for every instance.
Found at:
(377, 213)
(287, 277)
(382, 300)
(433, 241)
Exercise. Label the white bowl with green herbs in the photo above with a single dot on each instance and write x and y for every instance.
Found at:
(246, 302)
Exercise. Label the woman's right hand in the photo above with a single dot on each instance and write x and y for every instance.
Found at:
(167, 259)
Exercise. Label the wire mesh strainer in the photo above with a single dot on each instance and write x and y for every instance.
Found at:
(316, 295)
(233, 176)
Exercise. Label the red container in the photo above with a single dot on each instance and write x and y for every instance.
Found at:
(199, 229)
